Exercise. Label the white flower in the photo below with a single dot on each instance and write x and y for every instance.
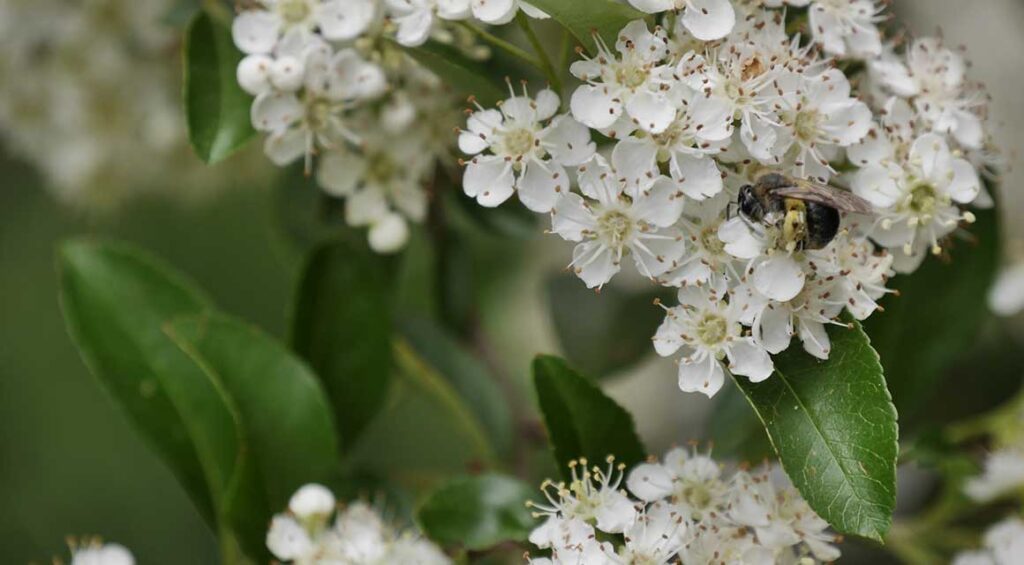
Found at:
(632, 82)
(1006, 298)
(382, 183)
(863, 273)
(707, 20)
(299, 125)
(819, 117)
(609, 224)
(654, 538)
(700, 129)
(1003, 473)
(95, 553)
(283, 70)
(592, 498)
(706, 256)
(306, 535)
(1004, 545)
(726, 544)
(415, 18)
(934, 78)
(772, 261)
(312, 500)
(528, 151)
(806, 315)
(690, 481)
(498, 12)
(846, 28)
(258, 31)
(916, 199)
(706, 328)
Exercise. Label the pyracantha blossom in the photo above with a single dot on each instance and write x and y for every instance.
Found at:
(610, 223)
(934, 79)
(592, 497)
(686, 509)
(820, 117)
(807, 314)
(257, 31)
(705, 257)
(382, 184)
(632, 85)
(315, 530)
(94, 552)
(1003, 545)
(846, 28)
(416, 18)
(774, 263)
(1006, 297)
(1003, 473)
(917, 199)
(707, 20)
(528, 148)
(706, 329)
(302, 124)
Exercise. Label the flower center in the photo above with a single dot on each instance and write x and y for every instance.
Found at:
(615, 227)
(924, 199)
(710, 241)
(518, 142)
(631, 76)
(381, 169)
(672, 137)
(318, 114)
(294, 11)
(806, 125)
(696, 495)
(712, 329)
(752, 69)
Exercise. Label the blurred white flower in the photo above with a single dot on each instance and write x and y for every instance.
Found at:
(1003, 545)
(258, 30)
(96, 553)
(846, 28)
(1003, 473)
(1006, 298)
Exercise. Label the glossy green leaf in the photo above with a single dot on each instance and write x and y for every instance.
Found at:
(736, 431)
(115, 300)
(833, 426)
(341, 326)
(606, 332)
(937, 316)
(285, 410)
(583, 17)
(216, 107)
(581, 420)
(466, 374)
(478, 513)
(464, 75)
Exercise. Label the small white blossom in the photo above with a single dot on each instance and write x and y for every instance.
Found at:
(610, 223)
(1003, 545)
(846, 28)
(592, 498)
(629, 84)
(707, 20)
(1006, 298)
(1003, 473)
(96, 553)
(528, 148)
(691, 481)
(258, 30)
(706, 329)
(416, 18)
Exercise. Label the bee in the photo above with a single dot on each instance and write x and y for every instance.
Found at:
(806, 212)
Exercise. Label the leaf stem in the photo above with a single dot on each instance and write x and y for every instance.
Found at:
(545, 60)
(502, 44)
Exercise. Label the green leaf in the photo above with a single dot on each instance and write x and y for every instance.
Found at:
(833, 426)
(478, 513)
(465, 76)
(341, 326)
(466, 374)
(603, 333)
(581, 420)
(285, 410)
(115, 300)
(937, 316)
(216, 107)
(736, 431)
(583, 17)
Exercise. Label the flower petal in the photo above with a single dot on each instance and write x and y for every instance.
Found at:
(540, 185)
(708, 20)
(595, 106)
(750, 360)
(705, 377)
(779, 278)
(489, 179)
(256, 31)
(652, 111)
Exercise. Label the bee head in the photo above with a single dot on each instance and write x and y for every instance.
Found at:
(749, 204)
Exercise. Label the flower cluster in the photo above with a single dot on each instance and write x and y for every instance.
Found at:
(329, 82)
(683, 508)
(88, 96)
(1004, 545)
(709, 113)
(315, 530)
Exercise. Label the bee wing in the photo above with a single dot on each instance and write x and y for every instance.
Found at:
(812, 192)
